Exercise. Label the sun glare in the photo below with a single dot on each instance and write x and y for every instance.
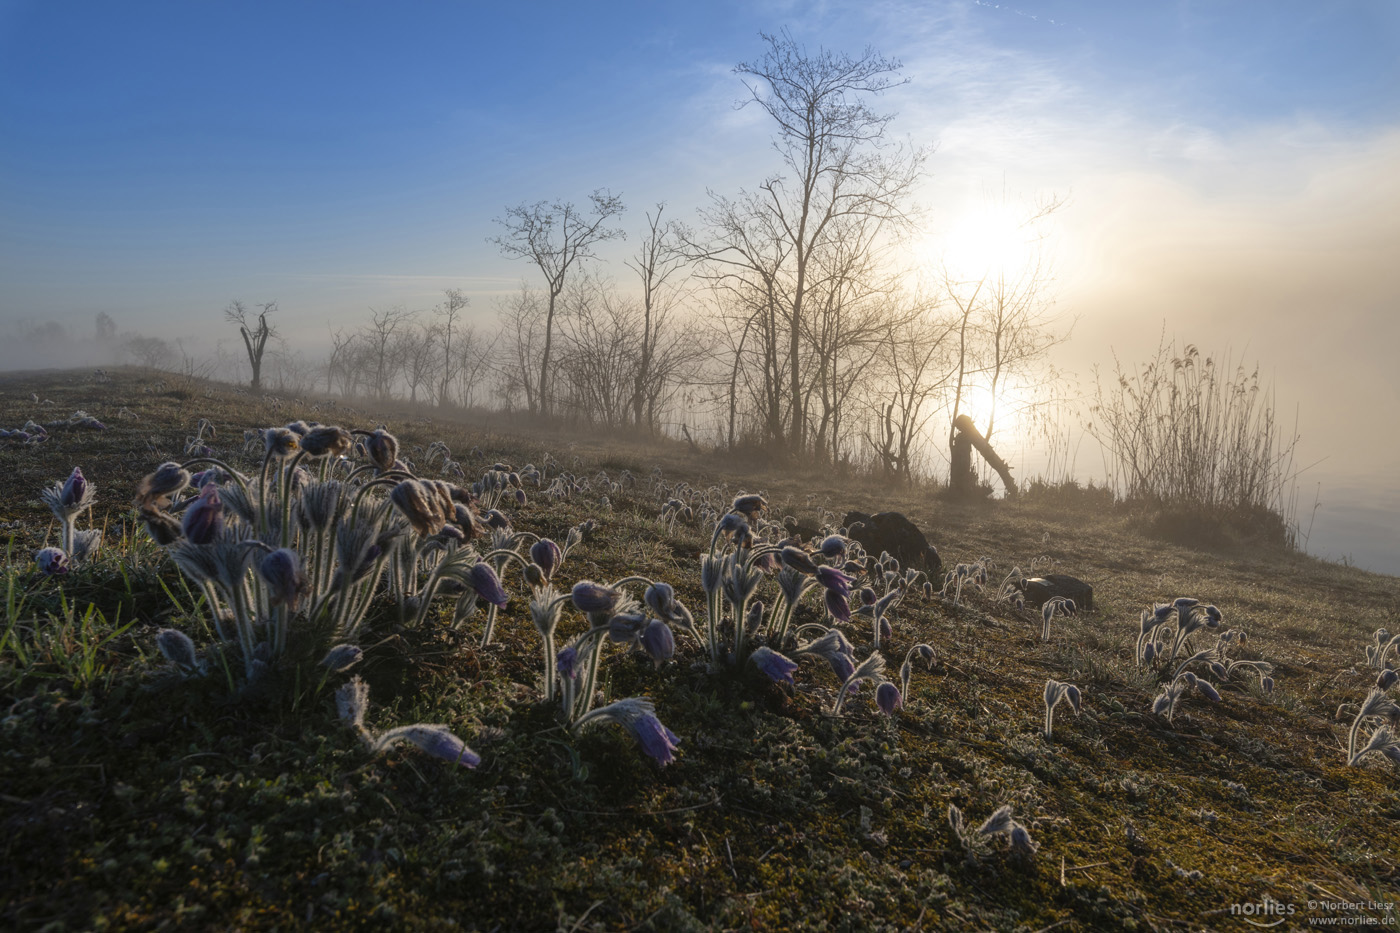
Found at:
(986, 240)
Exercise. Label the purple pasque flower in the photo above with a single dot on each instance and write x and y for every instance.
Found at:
(731, 525)
(658, 641)
(441, 743)
(842, 666)
(547, 556)
(281, 570)
(834, 581)
(661, 599)
(204, 518)
(775, 666)
(637, 716)
(487, 585)
(833, 547)
(590, 597)
(887, 698)
(656, 740)
(74, 489)
(280, 443)
(426, 505)
(434, 739)
(566, 662)
(52, 561)
(837, 605)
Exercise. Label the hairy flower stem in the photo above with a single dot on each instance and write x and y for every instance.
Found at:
(591, 681)
(239, 599)
(211, 598)
(288, 476)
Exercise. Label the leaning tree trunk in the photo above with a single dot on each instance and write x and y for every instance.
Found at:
(968, 434)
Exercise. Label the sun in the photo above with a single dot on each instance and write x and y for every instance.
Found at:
(985, 241)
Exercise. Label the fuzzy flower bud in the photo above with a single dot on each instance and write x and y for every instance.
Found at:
(887, 698)
(156, 489)
(798, 560)
(590, 597)
(751, 505)
(487, 585)
(327, 441)
(834, 581)
(382, 447)
(74, 489)
(177, 648)
(281, 570)
(658, 641)
(280, 443)
(204, 518)
(547, 556)
(342, 658)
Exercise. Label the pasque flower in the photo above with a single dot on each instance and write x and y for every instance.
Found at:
(204, 518)
(547, 556)
(774, 666)
(637, 716)
(487, 585)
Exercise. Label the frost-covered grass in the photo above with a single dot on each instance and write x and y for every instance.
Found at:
(136, 794)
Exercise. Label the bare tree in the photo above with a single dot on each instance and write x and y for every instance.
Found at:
(917, 368)
(657, 262)
(448, 313)
(255, 334)
(381, 345)
(555, 237)
(832, 144)
(339, 367)
(521, 319)
(417, 349)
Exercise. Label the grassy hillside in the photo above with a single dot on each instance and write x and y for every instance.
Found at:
(133, 798)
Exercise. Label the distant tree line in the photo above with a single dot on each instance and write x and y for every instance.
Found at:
(781, 320)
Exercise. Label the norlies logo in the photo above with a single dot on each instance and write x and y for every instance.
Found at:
(1267, 913)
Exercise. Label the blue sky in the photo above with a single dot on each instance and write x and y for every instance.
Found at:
(1229, 166)
(214, 149)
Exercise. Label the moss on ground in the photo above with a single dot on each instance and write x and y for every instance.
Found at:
(131, 800)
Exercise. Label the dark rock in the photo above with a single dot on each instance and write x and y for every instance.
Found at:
(891, 531)
(1039, 590)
